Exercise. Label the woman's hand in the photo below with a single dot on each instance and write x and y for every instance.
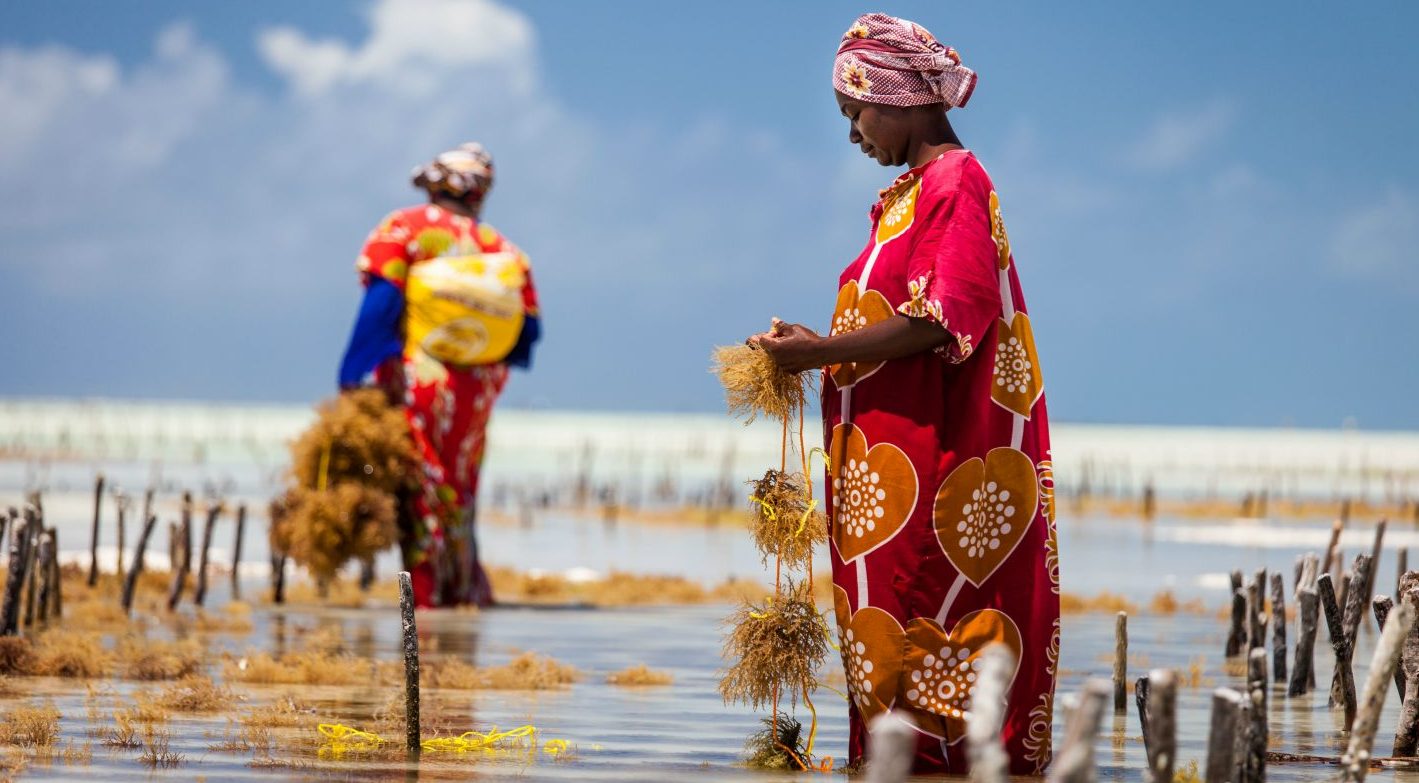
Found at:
(794, 347)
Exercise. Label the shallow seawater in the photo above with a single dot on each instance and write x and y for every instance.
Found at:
(683, 731)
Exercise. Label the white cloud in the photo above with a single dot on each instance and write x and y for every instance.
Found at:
(409, 42)
(1180, 137)
(1380, 241)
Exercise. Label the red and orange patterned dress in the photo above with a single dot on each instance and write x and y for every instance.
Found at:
(448, 404)
(942, 502)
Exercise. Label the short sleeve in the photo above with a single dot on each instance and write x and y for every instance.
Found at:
(386, 251)
(952, 275)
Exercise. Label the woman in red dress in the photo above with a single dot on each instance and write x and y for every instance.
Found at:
(449, 306)
(942, 503)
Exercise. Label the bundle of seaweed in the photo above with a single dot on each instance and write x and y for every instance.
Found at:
(526, 672)
(323, 529)
(777, 648)
(785, 523)
(754, 383)
(637, 676)
(778, 746)
(347, 472)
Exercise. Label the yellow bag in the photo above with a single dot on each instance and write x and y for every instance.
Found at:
(465, 310)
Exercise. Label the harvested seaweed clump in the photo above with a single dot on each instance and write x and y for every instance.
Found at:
(785, 523)
(770, 748)
(638, 676)
(347, 473)
(777, 648)
(754, 383)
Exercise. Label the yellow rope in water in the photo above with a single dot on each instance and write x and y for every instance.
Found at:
(324, 473)
(347, 738)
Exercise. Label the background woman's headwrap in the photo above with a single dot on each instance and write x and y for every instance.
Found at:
(464, 172)
(883, 59)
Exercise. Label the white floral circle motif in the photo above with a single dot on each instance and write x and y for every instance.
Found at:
(859, 667)
(859, 493)
(1012, 365)
(985, 519)
(897, 211)
(943, 683)
(850, 319)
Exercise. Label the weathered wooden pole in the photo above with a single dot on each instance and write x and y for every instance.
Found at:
(5, 521)
(236, 551)
(1256, 611)
(1278, 629)
(891, 744)
(1356, 761)
(56, 593)
(1121, 663)
(1222, 736)
(1258, 732)
(41, 567)
(1141, 687)
(1375, 551)
(411, 664)
(1343, 684)
(94, 532)
(1161, 732)
(1406, 733)
(278, 577)
(1236, 635)
(1383, 605)
(123, 501)
(1336, 528)
(1401, 566)
(1357, 598)
(14, 580)
(1307, 609)
(139, 548)
(1074, 763)
(214, 509)
(182, 551)
(33, 529)
(984, 747)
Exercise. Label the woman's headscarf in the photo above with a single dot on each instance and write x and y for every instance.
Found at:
(464, 172)
(883, 59)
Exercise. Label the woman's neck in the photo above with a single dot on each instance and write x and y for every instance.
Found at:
(455, 206)
(934, 140)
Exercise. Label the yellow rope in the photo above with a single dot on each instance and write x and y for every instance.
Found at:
(346, 738)
(802, 523)
(768, 509)
(324, 473)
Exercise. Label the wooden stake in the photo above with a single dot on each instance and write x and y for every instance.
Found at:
(1401, 565)
(1343, 685)
(181, 547)
(1236, 636)
(1350, 623)
(278, 577)
(41, 575)
(985, 749)
(1256, 611)
(1336, 528)
(412, 737)
(1121, 663)
(94, 532)
(1307, 603)
(1074, 763)
(1356, 761)
(34, 529)
(1278, 629)
(1375, 551)
(891, 744)
(1406, 734)
(1161, 732)
(56, 597)
(236, 551)
(14, 580)
(122, 503)
(213, 511)
(1382, 605)
(1141, 687)
(1258, 732)
(1222, 736)
(139, 549)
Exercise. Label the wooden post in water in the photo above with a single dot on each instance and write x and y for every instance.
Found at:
(1343, 685)
(139, 548)
(278, 577)
(1336, 528)
(33, 529)
(1356, 761)
(122, 501)
(94, 532)
(14, 581)
(1372, 578)
(1406, 734)
(1121, 663)
(1278, 629)
(984, 746)
(46, 551)
(891, 743)
(214, 509)
(1258, 732)
(1350, 623)
(236, 551)
(182, 549)
(1256, 612)
(1141, 687)
(1383, 605)
(1307, 609)
(1074, 763)
(1401, 566)
(412, 736)
(1236, 636)
(1161, 733)
(56, 597)
(5, 521)
(1226, 727)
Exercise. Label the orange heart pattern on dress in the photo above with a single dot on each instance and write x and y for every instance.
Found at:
(939, 671)
(898, 210)
(874, 492)
(1016, 384)
(856, 309)
(873, 648)
(997, 232)
(983, 510)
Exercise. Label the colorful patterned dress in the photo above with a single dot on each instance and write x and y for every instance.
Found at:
(942, 502)
(429, 254)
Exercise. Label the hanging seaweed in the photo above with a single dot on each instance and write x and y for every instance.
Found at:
(755, 385)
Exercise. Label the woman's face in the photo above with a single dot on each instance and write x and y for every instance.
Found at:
(882, 132)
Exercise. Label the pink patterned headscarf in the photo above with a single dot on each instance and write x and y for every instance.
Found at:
(464, 172)
(883, 59)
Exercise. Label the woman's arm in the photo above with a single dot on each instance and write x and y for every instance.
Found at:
(376, 336)
(797, 348)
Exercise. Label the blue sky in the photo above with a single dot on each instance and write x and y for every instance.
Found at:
(1215, 208)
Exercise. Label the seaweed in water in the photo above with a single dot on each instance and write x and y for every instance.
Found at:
(754, 383)
(777, 648)
(778, 746)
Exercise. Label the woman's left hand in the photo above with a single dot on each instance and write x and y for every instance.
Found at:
(794, 347)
